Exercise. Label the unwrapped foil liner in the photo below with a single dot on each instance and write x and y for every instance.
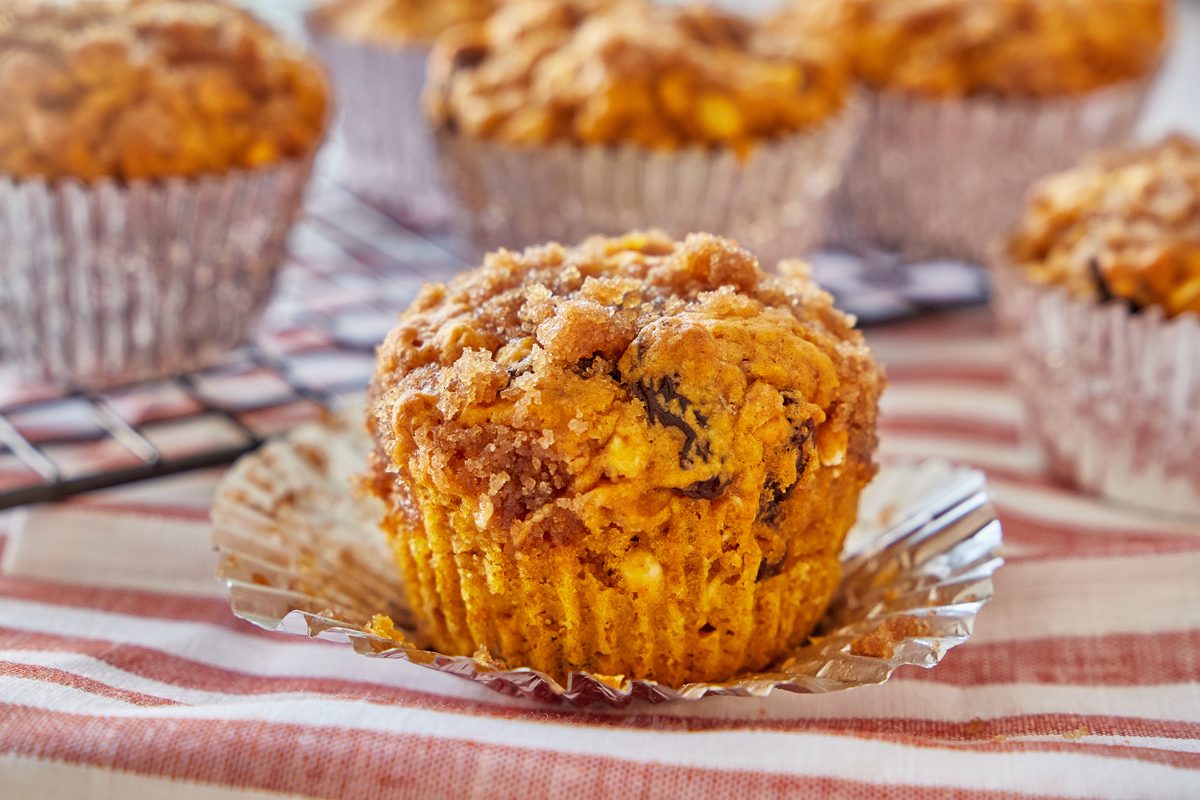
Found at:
(774, 201)
(302, 554)
(945, 178)
(389, 156)
(110, 282)
(1112, 395)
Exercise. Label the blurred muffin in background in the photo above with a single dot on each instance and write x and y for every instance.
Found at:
(633, 457)
(1099, 289)
(972, 100)
(376, 52)
(557, 119)
(153, 154)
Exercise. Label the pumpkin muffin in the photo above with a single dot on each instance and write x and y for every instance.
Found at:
(153, 157)
(1098, 290)
(133, 89)
(558, 120)
(634, 457)
(1124, 226)
(970, 101)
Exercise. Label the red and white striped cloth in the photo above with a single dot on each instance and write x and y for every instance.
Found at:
(123, 674)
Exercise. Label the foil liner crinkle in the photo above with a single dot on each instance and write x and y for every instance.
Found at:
(1112, 395)
(774, 201)
(115, 281)
(944, 178)
(389, 157)
(302, 554)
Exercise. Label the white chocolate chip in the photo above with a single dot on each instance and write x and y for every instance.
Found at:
(641, 571)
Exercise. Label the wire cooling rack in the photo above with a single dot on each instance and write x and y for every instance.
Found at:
(350, 272)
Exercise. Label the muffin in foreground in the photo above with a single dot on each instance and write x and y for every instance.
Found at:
(634, 457)
(376, 52)
(970, 102)
(1099, 289)
(557, 119)
(153, 155)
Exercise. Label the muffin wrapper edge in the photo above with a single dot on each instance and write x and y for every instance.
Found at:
(775, 202)
(1112, 395)
(945, 178)
(389, 157)
(301, 553)
(113, 282)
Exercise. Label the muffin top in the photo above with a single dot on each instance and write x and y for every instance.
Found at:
(1019, 48)
(600, 72)
(397, 21)
(1125, 225)
(150, 89)
(635, 373)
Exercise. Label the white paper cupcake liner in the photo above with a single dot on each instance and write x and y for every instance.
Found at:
(945, 178)
(113, 282)
(301, 553)
(774, 202)
(389, 158)
(1113, 395)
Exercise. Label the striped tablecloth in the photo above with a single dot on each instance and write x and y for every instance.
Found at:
(122, 673)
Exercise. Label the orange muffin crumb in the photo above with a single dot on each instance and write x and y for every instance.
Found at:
(149, 89)
(634, 457)
(1019, 48)
(1125, 225)
(599, 72)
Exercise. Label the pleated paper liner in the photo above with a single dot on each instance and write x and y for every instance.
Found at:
(111, 282)
(934, 178)
(1112, 394)
(389, 156)
(775, 201)
(301, 554)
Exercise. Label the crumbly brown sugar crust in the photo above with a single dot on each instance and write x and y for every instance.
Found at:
(1125, 225)
(149, 89)
(1011, 48)
(599, 72)
(398, 21)
(633, 457)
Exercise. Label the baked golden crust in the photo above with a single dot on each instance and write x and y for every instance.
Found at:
(1125, 225)
(1018, 48)
(633, 457)
(149, 89)
(600, 72)
(397, 21)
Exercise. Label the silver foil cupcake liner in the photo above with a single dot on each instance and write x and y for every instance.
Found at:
(1112, 395)
(945, 178)
(774, 201)
(301, 553)
(389, 158)
(112, 282)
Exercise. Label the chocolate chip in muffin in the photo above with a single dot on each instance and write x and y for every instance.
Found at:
(769, 569)
(659, 399)
(709, 489)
